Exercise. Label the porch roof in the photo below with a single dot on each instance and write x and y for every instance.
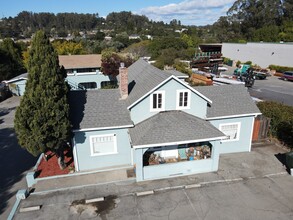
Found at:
(171, 128)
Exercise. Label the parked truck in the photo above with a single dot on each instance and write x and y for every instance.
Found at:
(242, 69)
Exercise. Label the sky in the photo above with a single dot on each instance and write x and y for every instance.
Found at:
(189, 12)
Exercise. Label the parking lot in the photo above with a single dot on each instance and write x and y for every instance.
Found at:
(251, 185)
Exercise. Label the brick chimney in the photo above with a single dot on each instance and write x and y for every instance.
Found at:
(123, 74)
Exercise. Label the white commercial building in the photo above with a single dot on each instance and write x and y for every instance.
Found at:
(262, 54)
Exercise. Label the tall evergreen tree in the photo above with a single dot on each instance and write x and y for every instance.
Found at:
(42, 119)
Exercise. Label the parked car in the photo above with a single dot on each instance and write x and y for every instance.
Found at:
(288, 75)
(260, 75)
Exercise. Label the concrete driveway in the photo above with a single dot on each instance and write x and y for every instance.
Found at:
(15, 162)
(251, 185)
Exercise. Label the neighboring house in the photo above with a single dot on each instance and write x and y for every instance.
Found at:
(158, 124)
(134, 37)
(83, 72)
(17, 84)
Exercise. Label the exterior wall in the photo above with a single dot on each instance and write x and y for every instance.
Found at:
(244, 142)
(262, 54)
(76, 78)
(176, 169)
(141, 111)
(19, 87)
(82, 150)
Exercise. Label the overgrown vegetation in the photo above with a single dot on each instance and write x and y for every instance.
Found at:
(281, 116)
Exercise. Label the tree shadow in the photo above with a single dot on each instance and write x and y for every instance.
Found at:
(14, 163)
(282, 159)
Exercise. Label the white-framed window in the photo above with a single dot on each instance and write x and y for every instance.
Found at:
(157, 101)
(183, 99)
(231, 130)
(103, 144)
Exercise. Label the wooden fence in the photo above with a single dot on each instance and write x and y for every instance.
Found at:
(261, 128)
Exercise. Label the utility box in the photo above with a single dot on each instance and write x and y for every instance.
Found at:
(289, 160)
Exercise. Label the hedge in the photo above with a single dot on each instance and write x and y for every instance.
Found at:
(281, 116)
(280, 68)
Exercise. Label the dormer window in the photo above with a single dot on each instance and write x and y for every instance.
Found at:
(158, 101)
(183, 99)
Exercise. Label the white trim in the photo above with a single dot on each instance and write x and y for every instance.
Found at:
(70, 74)
(75, 155)
(93, 154)
(234, 116)
(14, 80)
(103, 128)
(86, 73)
(179, 142)
(162, 92)
(238, 130)
(162, 83)
(252, 127)
(178, 98)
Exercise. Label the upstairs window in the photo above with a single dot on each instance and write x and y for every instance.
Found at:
(88, 85)
(158, 101)
(231, 130)
(183, 99)
(103, 144)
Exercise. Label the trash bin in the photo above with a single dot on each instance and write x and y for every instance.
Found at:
(289, 160)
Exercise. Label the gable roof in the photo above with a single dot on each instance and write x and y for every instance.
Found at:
(80, 61)
(228, 101)
(172, 127)
(98, 109)
(144, 78)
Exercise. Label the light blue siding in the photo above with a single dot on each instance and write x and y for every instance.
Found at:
(19, 87)
(88, 162)
(142, 110)
(87, 77)
(176, 169)
(244, 142)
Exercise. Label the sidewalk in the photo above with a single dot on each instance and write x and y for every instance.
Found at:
(260, 162)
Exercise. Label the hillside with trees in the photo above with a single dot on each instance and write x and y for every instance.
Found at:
(72, 33)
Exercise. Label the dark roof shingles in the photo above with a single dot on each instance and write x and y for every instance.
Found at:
(228, 100)
(172, 126)
(98, 109)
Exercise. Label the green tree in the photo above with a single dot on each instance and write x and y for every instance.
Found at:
(10, 60)
(42, 119)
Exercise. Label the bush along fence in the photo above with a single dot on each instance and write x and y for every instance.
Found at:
(281, 123)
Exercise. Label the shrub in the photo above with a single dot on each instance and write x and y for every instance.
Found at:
(281, 120)
(280, 68)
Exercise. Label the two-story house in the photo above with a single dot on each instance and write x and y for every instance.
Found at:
(158, 124)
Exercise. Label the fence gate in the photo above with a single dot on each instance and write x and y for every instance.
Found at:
(261, 128)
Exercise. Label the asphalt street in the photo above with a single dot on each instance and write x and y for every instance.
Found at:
(273, 89)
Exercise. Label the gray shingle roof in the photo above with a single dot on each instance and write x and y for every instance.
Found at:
(143, 77)
(172, 126)
(177, 73)
(98, 109)
(228, 100)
